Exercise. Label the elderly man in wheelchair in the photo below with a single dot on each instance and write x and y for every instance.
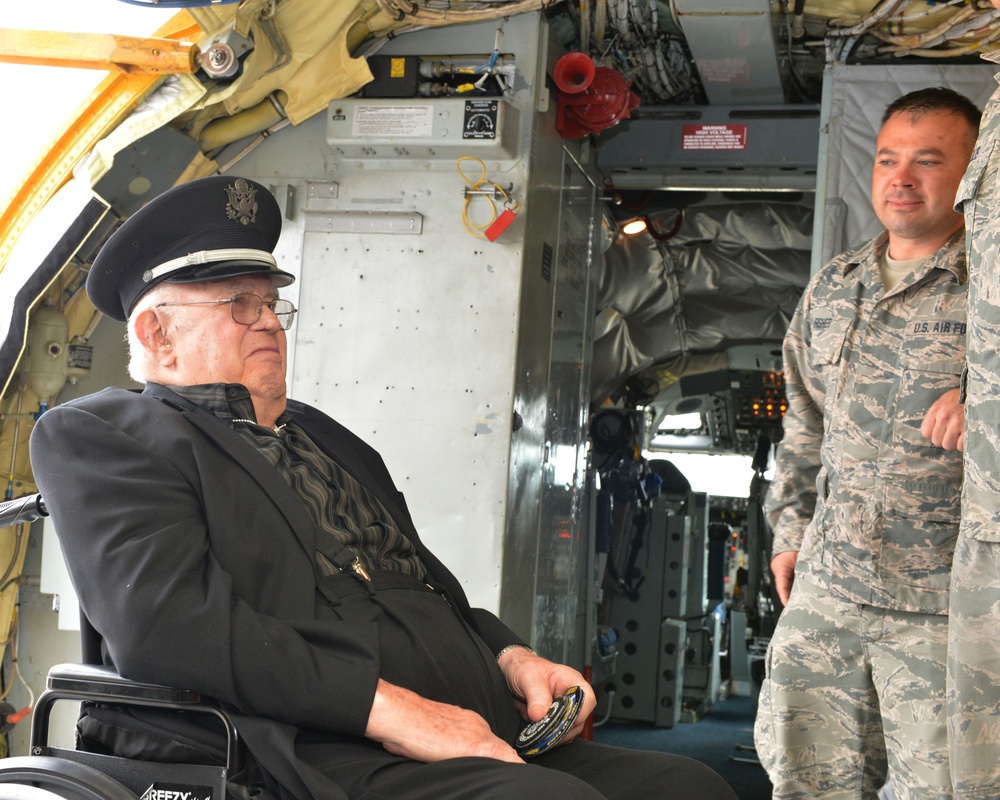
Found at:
(246, 547)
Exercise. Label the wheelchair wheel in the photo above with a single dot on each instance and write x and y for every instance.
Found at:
(46, 778)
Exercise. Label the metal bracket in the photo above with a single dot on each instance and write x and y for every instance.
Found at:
(494, 192)
(221, 58)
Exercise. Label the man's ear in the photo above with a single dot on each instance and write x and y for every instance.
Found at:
(150, 328)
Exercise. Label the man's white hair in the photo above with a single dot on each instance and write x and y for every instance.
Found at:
(142, 366)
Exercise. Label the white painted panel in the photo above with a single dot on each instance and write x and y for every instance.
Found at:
(287, 252)
(408, 334)
(410, 340)
(55, 580)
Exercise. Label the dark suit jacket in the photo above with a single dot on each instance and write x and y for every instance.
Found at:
(194, 562)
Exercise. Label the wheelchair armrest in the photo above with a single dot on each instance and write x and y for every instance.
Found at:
(101, 684)
(99, 680)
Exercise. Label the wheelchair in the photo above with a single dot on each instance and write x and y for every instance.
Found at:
(50, 772)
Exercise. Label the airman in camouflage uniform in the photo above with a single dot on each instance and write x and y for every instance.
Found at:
(866, 495)
(974, 647)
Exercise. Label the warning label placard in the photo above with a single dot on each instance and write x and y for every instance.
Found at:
(724, 70)
(714, 137)
(393, 121)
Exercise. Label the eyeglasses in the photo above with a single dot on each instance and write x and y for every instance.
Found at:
(247, 308)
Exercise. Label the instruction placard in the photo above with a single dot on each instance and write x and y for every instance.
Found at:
(377, 121)
(724, 70)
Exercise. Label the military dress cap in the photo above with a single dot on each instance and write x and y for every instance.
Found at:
(204, 230)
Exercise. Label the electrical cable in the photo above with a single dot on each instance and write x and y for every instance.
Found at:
(882, 10)
(600, 25)
(635, 15)
(585, 25)
(953, 52)
(928, 38)
(475, 189)
(791, 19)
(20, 677)
(497, 44)
(852, 34)
(5, 643)
(5, 579)
(968, 29)
(610, 694)
(617, 16)
(11, 642)
(457, 11)
(177, 3)
(259, 140)
(945, 33)
(927, 12)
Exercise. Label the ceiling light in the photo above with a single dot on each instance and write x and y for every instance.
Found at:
(634, 226)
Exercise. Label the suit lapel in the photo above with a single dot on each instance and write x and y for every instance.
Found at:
(331, 437)
(246, 457)
(353, 455)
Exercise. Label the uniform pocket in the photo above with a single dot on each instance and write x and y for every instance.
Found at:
(826, 353)
(980, 175)
(918, 552)
(826, 344)
(985, 533)
(974, 173)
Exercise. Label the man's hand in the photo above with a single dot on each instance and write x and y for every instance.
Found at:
(423, 730)
(535, 682)
(783, 569)
(945, 422)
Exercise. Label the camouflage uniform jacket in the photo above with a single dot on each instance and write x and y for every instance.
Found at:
(979, 197)
(872, 506)
(974, 652)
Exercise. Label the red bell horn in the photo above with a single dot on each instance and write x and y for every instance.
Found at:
(574, 72)
(590, 98)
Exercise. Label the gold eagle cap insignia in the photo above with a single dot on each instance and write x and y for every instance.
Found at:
(242, 205)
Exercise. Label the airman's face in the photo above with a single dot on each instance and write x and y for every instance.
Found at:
(919, 163)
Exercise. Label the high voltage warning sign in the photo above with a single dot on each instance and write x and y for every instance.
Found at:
(714, 137)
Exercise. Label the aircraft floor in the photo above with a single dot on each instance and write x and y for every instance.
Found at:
(722, 739)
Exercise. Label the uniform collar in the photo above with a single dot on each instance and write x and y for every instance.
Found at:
(950, 257)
